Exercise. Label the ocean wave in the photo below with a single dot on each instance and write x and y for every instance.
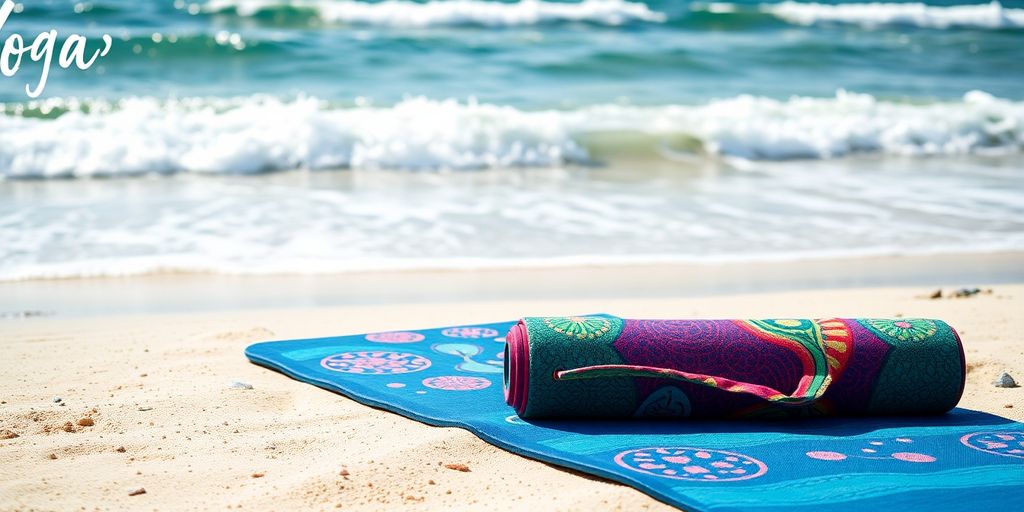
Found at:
(991, 16)
(72, 137)
(403, 13)
(978, 16)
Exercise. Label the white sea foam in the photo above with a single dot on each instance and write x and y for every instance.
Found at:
(251, 135)
(988, 16)
(403, 13)
(258, 134)
(714, 7)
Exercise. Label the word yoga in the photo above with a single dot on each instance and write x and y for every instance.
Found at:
(73, 51)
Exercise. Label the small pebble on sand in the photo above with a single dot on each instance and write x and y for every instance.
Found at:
(7, 434)
(52, 456)
(86, 422)
(937, 294)
(120, 449)
(57, 399)
(966, 292)
(1005, 381)
(237, 384)
(257, 475)
(343, 472)
(458, 467)
(136, 492)
(145, 408)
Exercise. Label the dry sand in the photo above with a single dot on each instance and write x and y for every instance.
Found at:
(158, 413)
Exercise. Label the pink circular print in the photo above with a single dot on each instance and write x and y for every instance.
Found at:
(374, 362)
(395, 337)
(692, 464)
(456, 383)
(470, 332)
(826, 455)
(913, 457)
(1006, 444)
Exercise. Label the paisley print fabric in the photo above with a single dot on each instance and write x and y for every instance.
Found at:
(552, 350)
(606, 366)
(684, 344)
(914, 377)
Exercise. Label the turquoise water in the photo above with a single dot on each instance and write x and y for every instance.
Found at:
(480, 84)
(328, 136)
(669, 52)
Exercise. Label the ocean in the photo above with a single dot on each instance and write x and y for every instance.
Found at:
(318, 136)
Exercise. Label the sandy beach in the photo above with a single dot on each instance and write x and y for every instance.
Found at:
(228, 172)
(146, 404)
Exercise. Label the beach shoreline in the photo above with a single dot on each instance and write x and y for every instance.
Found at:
(156, 387)
(198, 292)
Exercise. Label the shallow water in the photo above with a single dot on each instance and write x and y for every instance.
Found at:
(364, 220)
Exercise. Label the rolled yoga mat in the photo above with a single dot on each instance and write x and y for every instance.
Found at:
(450, 376)
(605, 366)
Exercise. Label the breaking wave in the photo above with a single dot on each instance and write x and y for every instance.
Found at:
(403, 13)
(73, 138)
(977, 16)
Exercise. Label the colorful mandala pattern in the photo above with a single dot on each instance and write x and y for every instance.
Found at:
(456, 383)
(1006, 444)
(579, 327)
(692, 464)
(375, 363)
(838, 340)
(911, 329)
(470, 332)
(549, 352)
(395, 337)
(807, 341)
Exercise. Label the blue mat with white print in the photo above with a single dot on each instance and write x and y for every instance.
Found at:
(451, 376)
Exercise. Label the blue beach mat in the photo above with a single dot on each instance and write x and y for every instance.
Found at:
(963, 460)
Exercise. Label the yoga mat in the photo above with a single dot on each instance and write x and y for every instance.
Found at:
(452, 376)
(605, 366)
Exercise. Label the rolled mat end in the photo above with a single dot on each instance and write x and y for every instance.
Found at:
(517, 367)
